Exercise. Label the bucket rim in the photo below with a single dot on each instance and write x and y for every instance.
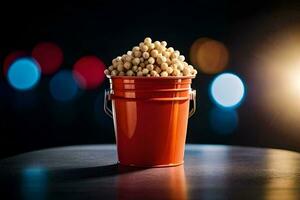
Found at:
(150, 78)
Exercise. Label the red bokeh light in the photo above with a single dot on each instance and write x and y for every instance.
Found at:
(88, 72)
(10, 58)
(49, 56)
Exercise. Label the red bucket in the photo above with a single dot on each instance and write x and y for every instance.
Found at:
(150, 118)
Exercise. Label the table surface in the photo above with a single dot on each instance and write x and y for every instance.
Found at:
(209, 172)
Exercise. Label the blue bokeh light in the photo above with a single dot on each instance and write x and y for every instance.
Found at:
(223, 121)
(34, 183)
(63, 86)
(24, 74)
(227, 90)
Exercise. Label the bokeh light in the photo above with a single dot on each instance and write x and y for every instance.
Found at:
(24, 74)
(227, 90)
(216, 157)
(63, 86)
(194, 49)
(10, 58)
(275, 76)
(88, 72)
(223, 121)
(49, 56)
(210, 56)
(34, 183)
(289, 167)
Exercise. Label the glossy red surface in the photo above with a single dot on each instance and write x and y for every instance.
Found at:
(150, 119)
(172, 179)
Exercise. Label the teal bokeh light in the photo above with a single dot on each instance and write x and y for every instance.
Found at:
(24, 74)
(227, 90)
(34, 183)
(223, 121)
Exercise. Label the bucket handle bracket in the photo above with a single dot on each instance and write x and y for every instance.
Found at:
(193, 98)
(107, 98)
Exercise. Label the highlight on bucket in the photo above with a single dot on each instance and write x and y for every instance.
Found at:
(150, 91)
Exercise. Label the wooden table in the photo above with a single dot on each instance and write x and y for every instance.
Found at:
(209, 172)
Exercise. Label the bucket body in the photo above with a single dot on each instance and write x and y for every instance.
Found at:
(150, 119)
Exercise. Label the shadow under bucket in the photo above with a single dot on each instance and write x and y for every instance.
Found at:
(150, 118)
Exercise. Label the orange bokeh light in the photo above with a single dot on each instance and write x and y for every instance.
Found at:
(210, 56)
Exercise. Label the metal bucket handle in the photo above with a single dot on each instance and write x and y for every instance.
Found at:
(108, 111)
(107, 98)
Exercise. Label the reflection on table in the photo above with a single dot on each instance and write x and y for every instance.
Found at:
(209, 172)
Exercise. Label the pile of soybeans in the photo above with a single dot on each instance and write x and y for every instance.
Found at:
(151, 59)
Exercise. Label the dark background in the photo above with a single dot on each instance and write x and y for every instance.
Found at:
(34, 120)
